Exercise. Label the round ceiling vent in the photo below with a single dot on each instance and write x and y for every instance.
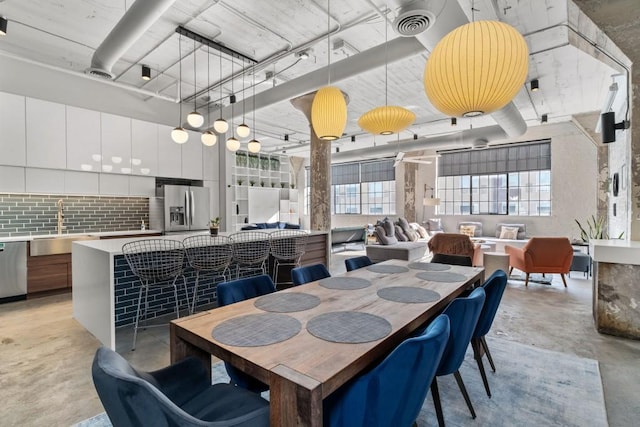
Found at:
(413, 21)
(97, 72)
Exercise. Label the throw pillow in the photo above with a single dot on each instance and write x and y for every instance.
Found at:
(435, 224)
(468, 230)
(509, 233)
(400, 234)
(383, 239)
(411, 235)
(422, 232)
(389, 228)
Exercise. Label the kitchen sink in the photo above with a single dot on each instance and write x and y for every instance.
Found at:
(52, 245)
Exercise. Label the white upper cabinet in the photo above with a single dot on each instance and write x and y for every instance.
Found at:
(210, 166)
(142, 186)
(169, 154)
(144, 148)
(192, 157)
(114, 185)
(46, 134)
(81, 182)
(44, 181)
(116, 144)
(83, 140)
(12, 130)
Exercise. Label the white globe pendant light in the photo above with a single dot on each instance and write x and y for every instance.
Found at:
(254, 146)
(179, 135)
(221, 125)
(208, 138)
(195, 119)
(243, 130)
(233, 144)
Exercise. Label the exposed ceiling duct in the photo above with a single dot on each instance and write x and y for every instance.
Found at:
(135, 22)
(468, 138)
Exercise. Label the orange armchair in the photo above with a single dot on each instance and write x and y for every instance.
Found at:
(542, 255)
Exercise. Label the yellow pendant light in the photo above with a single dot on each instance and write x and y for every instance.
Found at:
(329, 108)
(476, 69)
(386, 120)
(389, 118)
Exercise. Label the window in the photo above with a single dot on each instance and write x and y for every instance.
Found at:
(507, 180)
(366, 188)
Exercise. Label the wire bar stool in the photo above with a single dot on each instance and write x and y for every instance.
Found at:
(155, 262)
(287, 248)
(250, 251)
(208, 254)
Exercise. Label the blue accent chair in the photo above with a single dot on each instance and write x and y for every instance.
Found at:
(494, 287)
(236, 291)
(463, 314)
(357, 262)
(392, 393)
(309, 273)
(178, 395)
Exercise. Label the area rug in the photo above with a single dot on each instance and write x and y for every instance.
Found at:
(532, 387)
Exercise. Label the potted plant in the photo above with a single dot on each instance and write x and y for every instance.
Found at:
(252, 182)
(261, 183)
(214, 226)
(240, 182)
(595, 229)
(292, 186)
(273, 184)
(282, 184)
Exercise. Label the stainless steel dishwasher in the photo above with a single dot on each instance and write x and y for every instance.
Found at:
(13, 271)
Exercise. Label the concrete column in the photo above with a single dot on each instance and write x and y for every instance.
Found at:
(320, 161)
(410, 171)
(623, 28)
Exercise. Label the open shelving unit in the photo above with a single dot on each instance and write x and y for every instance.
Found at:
(262, 171)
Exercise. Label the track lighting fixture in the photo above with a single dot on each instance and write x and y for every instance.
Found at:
(415, 136)
(286, 137)
(353, 138)
(3, 26)
(454, 121)
(146, 72)
(544, 118)
(535, 85)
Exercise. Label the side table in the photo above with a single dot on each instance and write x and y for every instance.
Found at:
(495, 261)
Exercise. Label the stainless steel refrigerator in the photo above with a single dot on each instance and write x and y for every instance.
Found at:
(185, 208)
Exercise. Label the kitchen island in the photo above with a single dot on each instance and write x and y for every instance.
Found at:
(105, 291)
(616, 287)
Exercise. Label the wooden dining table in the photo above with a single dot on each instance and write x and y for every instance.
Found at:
(303, 370)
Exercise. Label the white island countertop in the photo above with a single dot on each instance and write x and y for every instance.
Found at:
(615, 251)
(114, 246)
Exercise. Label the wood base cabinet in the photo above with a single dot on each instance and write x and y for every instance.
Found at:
(48, 273)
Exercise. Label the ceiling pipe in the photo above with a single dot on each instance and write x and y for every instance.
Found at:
(476, 138)
(354, 65)
(436, 19)
(133, 24)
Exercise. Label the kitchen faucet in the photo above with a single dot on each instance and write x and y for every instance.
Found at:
(60, 215)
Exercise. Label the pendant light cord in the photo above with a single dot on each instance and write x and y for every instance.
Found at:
(254, 101)
(180, 78)
(232, 94)
(386, 59)
(220, 56)
(243, 96)
(195, 87)
(328, 43)
(208, 85)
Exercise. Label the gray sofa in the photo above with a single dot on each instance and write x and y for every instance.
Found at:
(408, 251)
(342, 236)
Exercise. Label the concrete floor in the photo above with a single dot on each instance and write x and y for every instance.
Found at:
(45, 355)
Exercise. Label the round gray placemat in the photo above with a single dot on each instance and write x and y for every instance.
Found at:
(441, 276)
(255, 330)
(387, 269)
(427, 266)
(350, 327)
(344, 283)
(287, 302)
(408, 294)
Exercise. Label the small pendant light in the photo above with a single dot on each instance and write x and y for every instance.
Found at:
(233, 144)
(254, 145)
(194, 118)
(243, 130)
(208, 138)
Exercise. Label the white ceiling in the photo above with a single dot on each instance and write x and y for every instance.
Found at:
(66, 33)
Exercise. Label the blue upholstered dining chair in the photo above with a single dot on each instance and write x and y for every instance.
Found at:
(236, 291)
(309, 273)
(178, 395)
(463, 314)
(357, 262)
(392, 393)
(494, 288)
